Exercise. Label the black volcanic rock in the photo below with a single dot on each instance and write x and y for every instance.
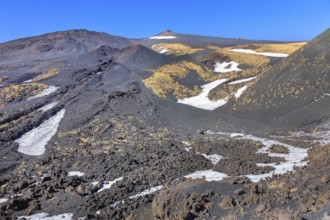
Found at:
(117, 132)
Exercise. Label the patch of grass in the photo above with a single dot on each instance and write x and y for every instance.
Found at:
(279, 149)
(224, 91)
(280, 48)
(18, 92)
(274, 48)
(165, 79)
(50, 73)
(177, 49)
(242, 58)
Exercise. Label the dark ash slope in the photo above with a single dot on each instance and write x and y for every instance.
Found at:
(294, 92)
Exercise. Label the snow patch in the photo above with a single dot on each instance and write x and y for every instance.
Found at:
(293, 159)
(321, 137)
(202, 100)
(117, 203)
(188, 148)
(44, 92)
(186, 143)
(209, 175)
(108, 184)
(28, 81)
(162, 37)
(33, 142)
(48, 106)
(226, 67)
(160, 49)
(2, 200)
(165, 50)
(147, 192)
(242, 80)
(268, 54)
(240, 91)
(45, 216)
(214, 158)
(75, 173)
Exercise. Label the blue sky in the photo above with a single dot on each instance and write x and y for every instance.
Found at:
(253, 19)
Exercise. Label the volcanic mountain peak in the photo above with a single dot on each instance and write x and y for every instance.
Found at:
(165, 35)
(62, 43)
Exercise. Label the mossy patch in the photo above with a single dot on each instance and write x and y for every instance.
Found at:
(176, 49)
(17, 92)
(165, 79)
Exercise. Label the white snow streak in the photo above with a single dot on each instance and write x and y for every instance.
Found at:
(321, 137)
(293, 159)
(214, 158)
(202, 101)
(75, 173)
(240, 91)
(48, 106)
(44, 92)
(45, 216)
(209, 175)
(268, 54)
(164, 50)
(162, 37)
(33, 142)
(108, 184)
(242, 80)
(147, 192)
(2, 200)
(226, 67)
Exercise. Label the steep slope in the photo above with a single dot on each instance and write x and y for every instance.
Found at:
(294, 92)
(140, 57)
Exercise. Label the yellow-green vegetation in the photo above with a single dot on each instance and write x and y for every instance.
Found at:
(165, 79)
(177, 49)
(19, 91)
(124, 133)
(291, 88)
(224, 91)
(255, 65)
(242, 58)
(280, 48)
(50, 73)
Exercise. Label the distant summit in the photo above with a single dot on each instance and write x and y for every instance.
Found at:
(62, 43)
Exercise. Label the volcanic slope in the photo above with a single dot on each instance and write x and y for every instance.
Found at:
(57, 44)
(294, 92)
(90, 140)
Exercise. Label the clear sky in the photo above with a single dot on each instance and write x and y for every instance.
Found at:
(253, 19)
